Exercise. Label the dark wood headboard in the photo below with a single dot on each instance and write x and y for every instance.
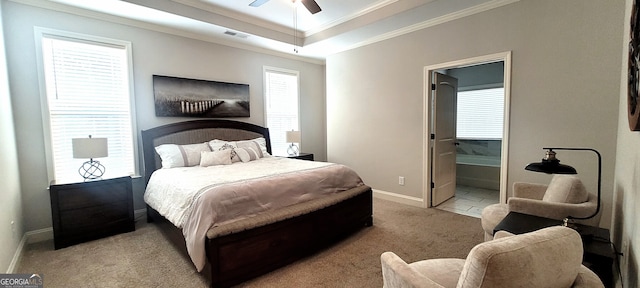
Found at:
(192, 132)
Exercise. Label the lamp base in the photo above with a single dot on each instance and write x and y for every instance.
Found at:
(569, 223)
(91, 170)
(293, 150)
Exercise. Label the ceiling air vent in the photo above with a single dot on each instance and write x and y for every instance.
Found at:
(236, 34)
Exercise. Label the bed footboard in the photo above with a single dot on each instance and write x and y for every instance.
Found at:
(240, 253)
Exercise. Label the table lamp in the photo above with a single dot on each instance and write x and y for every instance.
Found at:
(84, 148)
(551, 165)
(293, 137)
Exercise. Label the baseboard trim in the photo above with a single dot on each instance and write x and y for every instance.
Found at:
(137, 214)
(28, 238)
(17, 256)
(39, 235)
(399, 198)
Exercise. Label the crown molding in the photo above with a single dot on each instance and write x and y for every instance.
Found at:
(60, 7)
(348, 18)
(431, 22)
(279, 52)
(235, 15)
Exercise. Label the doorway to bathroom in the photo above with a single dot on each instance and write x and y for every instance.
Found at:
(481, 133)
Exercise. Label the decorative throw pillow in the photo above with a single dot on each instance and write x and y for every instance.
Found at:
(222, 157)
(219, 145)
(262, 144)
(173, 155)
(255, 146)
(247, 154)
(565, 189)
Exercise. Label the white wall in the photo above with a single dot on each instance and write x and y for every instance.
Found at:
(11, 204)
(564, 91)
(626, 215)
(153, 53)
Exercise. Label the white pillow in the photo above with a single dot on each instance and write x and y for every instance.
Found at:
(566, 189)
(222, 157)
(173, 155)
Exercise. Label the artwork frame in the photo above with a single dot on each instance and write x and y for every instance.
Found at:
(633, 78)
(183, 97)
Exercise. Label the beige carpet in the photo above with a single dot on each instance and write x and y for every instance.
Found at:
(145, 259)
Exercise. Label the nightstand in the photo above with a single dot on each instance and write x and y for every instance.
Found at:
(90, 210)
(302, 156)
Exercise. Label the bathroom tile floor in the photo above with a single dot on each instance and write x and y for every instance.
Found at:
(470, 200)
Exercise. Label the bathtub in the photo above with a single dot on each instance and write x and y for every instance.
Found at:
(478, 171)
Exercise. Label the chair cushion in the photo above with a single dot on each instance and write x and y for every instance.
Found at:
(565, 189)
(445, 271)
(549, 257)
(492, 215)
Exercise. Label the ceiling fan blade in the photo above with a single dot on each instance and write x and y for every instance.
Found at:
(311, 5)
(258, 3)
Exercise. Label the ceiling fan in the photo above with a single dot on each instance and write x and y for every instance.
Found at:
(311, 5)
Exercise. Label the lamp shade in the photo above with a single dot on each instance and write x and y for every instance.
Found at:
(293, 136)
(550, 168)
(89, 147)
(550, 165)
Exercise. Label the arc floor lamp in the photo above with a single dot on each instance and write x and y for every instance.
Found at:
(551, 165)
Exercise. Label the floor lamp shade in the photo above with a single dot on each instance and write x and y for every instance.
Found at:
(551, 165)
(90, 148)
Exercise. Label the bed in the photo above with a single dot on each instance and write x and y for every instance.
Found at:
(246, 248)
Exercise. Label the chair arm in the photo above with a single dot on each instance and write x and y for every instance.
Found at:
(587, 279)
(502, 234)
(529, 190)
(551, 210)
(398, 274)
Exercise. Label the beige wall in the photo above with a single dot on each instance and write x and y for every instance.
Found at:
(564, 91)
(625, 230)
(11, 204)
(153, 53)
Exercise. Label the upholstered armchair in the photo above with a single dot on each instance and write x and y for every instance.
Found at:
(549, 257)
(564, 196)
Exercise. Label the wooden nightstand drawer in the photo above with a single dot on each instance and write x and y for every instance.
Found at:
(97, 216)
(93, 194)
(90, 210)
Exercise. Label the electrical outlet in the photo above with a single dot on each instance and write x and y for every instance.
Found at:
(401, 180)
(625, 251)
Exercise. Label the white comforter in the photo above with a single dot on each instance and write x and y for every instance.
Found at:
(198, 198)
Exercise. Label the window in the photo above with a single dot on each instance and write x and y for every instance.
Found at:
(480, 114)
(281, 106)
(87, 91)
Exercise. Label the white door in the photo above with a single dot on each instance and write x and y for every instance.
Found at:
(443, 166)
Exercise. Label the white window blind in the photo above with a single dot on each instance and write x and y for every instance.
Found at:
(281, 102)
(88, 93)
(480, 114)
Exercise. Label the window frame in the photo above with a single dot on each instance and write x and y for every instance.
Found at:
(270, 69)
(42, 32)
